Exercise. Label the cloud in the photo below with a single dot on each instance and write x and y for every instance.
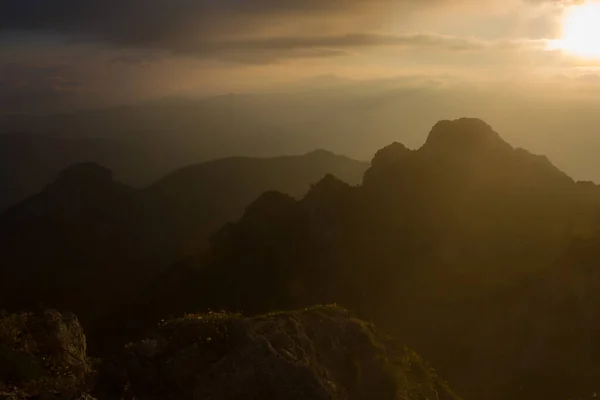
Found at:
(274, 49)
(270, 49)
(161, 23)
(350, 40)
(137, 60)
(233, 30)
(126, 50)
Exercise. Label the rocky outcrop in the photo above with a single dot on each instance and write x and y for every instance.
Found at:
(42, 354)
(320, 353)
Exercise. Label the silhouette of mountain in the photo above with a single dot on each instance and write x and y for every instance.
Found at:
(29, 162)
(200, 198)
(79, 245)
(98, 242)
(479, 255)
(353, 117)
(449, 246)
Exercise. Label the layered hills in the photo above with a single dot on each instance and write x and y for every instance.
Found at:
(89, 244)
(452, 247)
(478, 255)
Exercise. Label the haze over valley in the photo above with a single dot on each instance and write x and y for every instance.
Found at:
(324, 200)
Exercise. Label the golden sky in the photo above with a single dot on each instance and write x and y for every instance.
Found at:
(380, 70)
(91, 53)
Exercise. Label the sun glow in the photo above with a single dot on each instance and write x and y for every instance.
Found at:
(581, 31)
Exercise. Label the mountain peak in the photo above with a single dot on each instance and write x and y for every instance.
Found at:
(390, 158)
(390, 154)
(270, 202)
(320, 153)
(325, 188)
(464, 134)
(87, 172)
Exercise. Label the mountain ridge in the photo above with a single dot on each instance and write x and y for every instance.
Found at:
(452, 248)
(453, 244)
(92, 232)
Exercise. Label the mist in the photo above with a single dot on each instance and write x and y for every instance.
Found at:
(316, 199)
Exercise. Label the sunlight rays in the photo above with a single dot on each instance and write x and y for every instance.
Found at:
(581, 31)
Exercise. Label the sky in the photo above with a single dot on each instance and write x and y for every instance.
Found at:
(530, 68)
(61, 54)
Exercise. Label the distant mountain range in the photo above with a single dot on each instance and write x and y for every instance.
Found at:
(479, 255)
(354, 118)
(87, 229)
(29, 162)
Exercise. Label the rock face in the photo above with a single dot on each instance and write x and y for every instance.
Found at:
(42, 354)
(322, 353)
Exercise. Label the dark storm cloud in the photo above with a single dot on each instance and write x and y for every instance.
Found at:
(159, 22)
(231, 30)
